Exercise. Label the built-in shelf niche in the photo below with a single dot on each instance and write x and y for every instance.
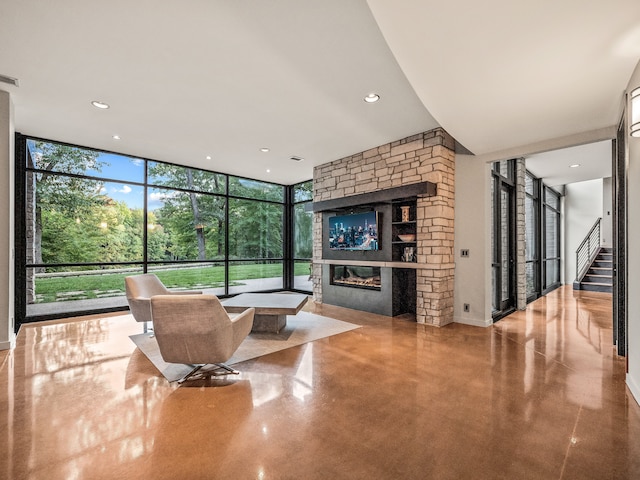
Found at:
(404, 231)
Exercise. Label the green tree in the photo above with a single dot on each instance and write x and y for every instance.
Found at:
(302, 232)
(193, 222)
(255, 229)
(64, 195)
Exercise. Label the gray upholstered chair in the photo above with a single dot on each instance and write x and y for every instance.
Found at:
(140, 289)
(197, 330)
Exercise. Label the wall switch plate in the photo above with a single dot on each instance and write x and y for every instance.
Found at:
(464, 252)
(466, 307)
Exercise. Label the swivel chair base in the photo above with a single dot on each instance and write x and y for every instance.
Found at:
(199, 372)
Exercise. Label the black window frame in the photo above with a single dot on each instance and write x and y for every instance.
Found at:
(21, 264)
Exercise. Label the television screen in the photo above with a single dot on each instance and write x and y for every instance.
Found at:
(355, 231)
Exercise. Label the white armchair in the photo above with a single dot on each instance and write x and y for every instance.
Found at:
(140, 289)
(197, 330)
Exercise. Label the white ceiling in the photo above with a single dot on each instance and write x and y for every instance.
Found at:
(555, 167)
(213, 77)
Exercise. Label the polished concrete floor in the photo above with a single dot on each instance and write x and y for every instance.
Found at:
(540, 395)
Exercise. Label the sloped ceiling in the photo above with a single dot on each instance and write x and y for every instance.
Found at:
(191, 79)
(500, 74)
(187, 80)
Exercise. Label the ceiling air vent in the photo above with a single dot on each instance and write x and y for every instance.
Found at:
(9, 80)
(296, 158)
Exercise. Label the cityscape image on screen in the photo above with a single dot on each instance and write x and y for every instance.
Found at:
(356, 231)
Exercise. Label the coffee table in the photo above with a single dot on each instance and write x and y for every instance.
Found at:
(271, 308)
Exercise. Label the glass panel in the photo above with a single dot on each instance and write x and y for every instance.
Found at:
(551, 198)
(252, 276)
(206, 277)
(552, 272)
(504, 239)
(494, 256)
(255, 229)
(66, 289)
(303, 191)
(495, 303)
(530, 228)
(243, 187)
(529, 184)
(551, 233)
(302, 232)
(55, 157)
(185, 226)
(302, 275)
(85, 221)
(530, 272)
(177, 176)
(505, 169)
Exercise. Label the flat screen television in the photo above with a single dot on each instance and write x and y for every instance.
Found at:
(354, 231)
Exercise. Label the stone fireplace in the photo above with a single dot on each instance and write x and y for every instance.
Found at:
(425, 157)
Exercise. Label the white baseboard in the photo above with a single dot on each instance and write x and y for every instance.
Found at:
(9, 344)
(634, 388)
(474, 322)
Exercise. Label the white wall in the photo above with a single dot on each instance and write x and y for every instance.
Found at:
(607, 213)
(472, 283)
(633, 255)
(7, 182)
(582, 207)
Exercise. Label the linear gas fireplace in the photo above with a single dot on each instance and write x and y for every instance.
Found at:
(356, 276)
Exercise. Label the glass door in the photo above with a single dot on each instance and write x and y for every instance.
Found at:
(503, 240)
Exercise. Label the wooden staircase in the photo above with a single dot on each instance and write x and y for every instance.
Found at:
(599, 276)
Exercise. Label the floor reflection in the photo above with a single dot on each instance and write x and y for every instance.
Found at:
(540, 394)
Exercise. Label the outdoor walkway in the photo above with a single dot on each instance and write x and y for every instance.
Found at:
(70, 307)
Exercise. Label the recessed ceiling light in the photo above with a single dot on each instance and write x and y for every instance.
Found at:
(264, 149)
(208, 157)
(575, 165)
(116, 137)
(372, 98)
(268, 171)
(100, 105)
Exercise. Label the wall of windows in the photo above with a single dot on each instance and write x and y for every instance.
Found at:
(542, 255)
(92, 217)
(542, 237)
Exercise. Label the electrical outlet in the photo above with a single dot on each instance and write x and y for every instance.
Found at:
(467, 307)
(464, 252)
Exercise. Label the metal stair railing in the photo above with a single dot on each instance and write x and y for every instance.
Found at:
(588, 250)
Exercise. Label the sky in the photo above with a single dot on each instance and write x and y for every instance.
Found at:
(124, 168)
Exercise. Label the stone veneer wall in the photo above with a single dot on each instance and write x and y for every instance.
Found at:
(427, 156)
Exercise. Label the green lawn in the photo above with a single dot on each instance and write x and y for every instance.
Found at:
(51, 289)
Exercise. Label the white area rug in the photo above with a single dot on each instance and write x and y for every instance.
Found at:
(301, 328)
